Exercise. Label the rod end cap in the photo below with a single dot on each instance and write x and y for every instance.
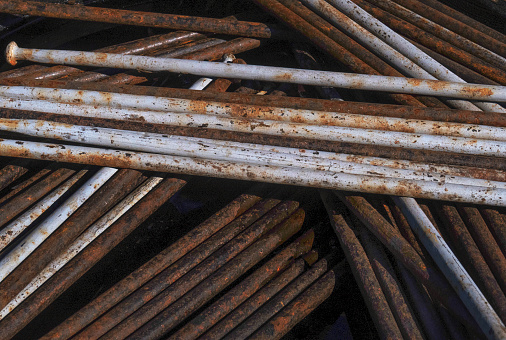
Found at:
(10, 53)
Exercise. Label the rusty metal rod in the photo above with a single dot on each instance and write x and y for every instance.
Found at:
(27, 183)
(441, 32)
(173, 313)
(300, 307)
(264, 73)
(20, 224)
(283, 298)
(239, 314)
(153, 267)
(273, 174)
(47, 99)
(53, 221)
(81, 242)
(423, 270)
(176, 280)
(435, 43)
(487, 245)
(363, 272)
(136, 18)
(469, 293)
(104, 199)
(458, 23)
(252, 153)
(33, 194)
(409, 140)
(472, 258)
(243, 290)
(10, 173)
(496, 221)
(390, 285)
(69, 274)
(256, 103)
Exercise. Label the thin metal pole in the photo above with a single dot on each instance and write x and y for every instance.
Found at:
(264, 73)
(460, 280)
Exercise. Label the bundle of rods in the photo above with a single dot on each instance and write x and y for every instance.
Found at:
(450, 149)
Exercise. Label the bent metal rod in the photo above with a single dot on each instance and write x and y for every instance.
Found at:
(262, 73)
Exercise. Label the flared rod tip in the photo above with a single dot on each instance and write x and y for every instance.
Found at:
(10, 53)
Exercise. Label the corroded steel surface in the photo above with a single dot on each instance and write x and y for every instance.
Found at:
(22, 315)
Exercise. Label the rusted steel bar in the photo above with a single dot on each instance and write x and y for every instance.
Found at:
(121, 79)
(458, 23)
(21, 71)
(41, 298)
(435, 43)
(496, 221)
(170, 255)
(43, 230)
(404, 316)
(180, 51)
(216, 52)
(28, 182)
(487, 245)
(136, 18)
(20, 224)
(363, 272)
(175, 310)
(441, 32)
(241, 101)
(265, 73)
(144, 303)
(88, 236)
(469, 293)
(239, 314)
(10, 173)
(242, 291)
(283, 298)
(104, 199)
(249, 171)
(471, 257)
(428, 275)
(299, 308)
(33, 194)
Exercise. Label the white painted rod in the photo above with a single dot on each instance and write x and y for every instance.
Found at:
(52, 222)
(230, 151)
(253, 172)
(49, 99)
(81, 242)
(16, 227)
(276, 128)
(469, 293)
(263, 73)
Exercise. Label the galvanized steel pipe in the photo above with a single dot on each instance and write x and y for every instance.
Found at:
(264, 73)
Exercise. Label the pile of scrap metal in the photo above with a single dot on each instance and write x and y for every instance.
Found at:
(392, 109)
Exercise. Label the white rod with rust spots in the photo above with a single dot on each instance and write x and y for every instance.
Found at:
(262, 73)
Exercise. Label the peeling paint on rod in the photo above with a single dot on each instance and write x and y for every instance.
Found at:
(54, 100)
(252, 172)
(262, 73)
(81, 242)
(52, 222)
(471, 296)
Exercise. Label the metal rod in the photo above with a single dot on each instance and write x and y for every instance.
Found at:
(152, 103)
(28, 182)
(165, 258)
(136, 18)
(266, 173)
(243, 290)
(167, 287)
(363, 272)
(16, 227)
(70, 273)
(470, 295)
(81, 242)
(239, 314)
(10, 173)
(52, 222)
(265, 73)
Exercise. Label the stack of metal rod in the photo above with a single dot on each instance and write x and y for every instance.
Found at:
(444, 140)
